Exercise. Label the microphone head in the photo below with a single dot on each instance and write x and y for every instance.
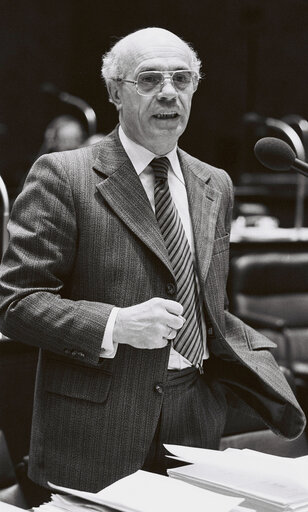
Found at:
(274, 154)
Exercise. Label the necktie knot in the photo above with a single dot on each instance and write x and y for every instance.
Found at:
(160, 167)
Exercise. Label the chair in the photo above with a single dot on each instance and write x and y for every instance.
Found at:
(10, 490)
(17, 379)
(270, 292)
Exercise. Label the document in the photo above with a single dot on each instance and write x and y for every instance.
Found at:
(278, 483)
(143, 492)
(6, 507)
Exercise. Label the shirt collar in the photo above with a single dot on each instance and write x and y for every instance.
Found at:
(141, 157)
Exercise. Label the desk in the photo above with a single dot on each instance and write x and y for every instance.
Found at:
(256, 240)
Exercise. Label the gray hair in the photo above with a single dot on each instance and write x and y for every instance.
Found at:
(114, 64)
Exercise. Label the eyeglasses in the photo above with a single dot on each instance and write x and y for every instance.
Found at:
(149, 83)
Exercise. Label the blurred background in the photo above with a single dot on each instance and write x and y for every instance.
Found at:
(254, 55)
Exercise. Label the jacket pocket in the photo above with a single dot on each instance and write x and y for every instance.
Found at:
(261, 342)
(77, 381)
(221, 244)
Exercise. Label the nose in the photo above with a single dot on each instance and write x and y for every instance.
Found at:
(168, 90)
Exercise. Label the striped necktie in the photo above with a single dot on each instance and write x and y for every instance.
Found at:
(188, 341)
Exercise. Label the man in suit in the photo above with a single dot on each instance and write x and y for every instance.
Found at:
(116, 269)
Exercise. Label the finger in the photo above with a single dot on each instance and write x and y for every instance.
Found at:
(173, 307)
(162, 343)
(167, 332)
(175, 322)
(172, 334)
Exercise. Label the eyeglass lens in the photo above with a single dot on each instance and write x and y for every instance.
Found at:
(151, 81)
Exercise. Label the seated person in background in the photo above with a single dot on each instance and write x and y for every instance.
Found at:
(63, 133)
(116, 268)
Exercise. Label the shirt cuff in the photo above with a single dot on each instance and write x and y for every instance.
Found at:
(109, 348)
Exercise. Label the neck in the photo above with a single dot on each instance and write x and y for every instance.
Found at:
(159, 148)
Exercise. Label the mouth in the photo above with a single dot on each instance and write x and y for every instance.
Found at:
(166, 115)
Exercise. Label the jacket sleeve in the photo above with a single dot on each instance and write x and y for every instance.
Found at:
(36, 269)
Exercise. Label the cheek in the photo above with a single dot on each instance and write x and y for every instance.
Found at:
(129, 106)
(187, 104)
(143, 114)
(137, 110)
(130, 116)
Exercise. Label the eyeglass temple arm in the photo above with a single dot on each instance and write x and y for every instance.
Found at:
(124, 80)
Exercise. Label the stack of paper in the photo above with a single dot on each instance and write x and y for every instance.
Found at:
(142, 492)
(268, 483)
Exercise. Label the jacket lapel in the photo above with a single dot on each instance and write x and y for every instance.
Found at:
(204, 202)
(123, 191)
(125, 194)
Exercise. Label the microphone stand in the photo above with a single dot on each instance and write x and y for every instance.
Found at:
(82, 105)
(301, 126)
(298, 146)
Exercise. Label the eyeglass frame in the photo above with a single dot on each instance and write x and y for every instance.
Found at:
(166, 75)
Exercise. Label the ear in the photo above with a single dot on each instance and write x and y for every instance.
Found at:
(114, 89)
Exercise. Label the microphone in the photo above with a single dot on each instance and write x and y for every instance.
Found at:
(279, 156)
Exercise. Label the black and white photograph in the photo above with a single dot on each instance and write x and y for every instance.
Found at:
(154, 256)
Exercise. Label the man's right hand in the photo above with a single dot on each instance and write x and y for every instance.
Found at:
(150, 324)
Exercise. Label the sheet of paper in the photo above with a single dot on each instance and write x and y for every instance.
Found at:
(6, 507)
(192, 454)
(75, 504)
(148, 492)
(239, 508)
(200, 455)
(47, 507)
(250, 463)
(252, 482)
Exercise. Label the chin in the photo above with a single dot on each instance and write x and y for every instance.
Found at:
(167, 133)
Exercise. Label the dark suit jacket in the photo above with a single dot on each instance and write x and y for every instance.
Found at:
(83, 238)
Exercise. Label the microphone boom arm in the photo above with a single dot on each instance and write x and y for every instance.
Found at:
(84, 107)
(299, 148)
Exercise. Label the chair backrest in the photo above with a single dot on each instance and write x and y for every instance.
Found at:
(267, 442)
(10, 491)
(272, 283)
(17, 380)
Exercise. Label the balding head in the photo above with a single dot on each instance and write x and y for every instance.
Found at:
(118, 61)
(153, 107)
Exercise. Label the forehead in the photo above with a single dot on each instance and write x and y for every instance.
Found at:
(150, 52)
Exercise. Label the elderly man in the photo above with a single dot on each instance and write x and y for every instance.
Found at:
(116, 269)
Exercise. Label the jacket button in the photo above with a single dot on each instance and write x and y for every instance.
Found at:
(171, 289)
(159, 389)
(74, 353)
(66, 351)
(81, 354)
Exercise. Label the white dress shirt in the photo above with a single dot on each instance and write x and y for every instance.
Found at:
(141, 158)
